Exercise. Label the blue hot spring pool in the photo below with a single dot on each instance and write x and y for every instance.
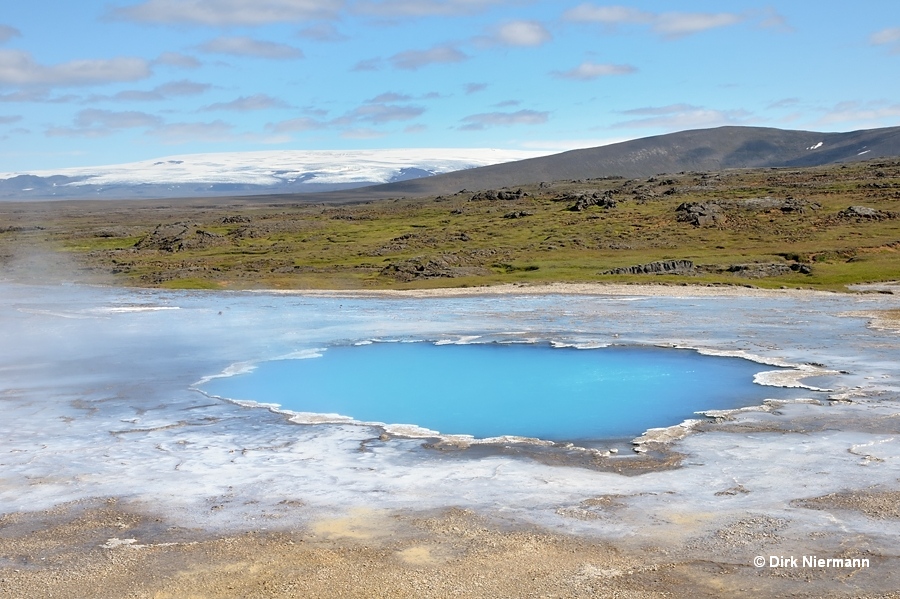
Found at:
(489, 390)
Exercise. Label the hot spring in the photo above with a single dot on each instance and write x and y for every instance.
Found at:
(491, 390)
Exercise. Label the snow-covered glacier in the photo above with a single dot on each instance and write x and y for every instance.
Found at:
(284, 171)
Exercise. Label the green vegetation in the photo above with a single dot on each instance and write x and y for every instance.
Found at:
(765, 227)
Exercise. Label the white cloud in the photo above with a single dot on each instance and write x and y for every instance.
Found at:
(375, 111)
(476, 122)
(249, 103)
(160, 92)
(412, 60)
(682, 116)
(109, 119)
(887, 37)
(8, 120)
(369, 64)
(94, 123)
(674, 24)
(658, 110)
(245, 46)
(18, 68)
(783, 103)
(668, 24)
(37, 96)
(380, 113)
(176, 59)
(856, 114)
(522, 33)
(226, 13)
(426, 8)
(175, 133)
(295, 125)
(389, 97)
(474, 88)
(7, 33)
(771, 19)
(321, 32)
(609, 15)
(563, 145)
(591, 70)
(362, 134)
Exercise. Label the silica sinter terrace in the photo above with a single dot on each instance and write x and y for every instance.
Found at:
(489, 390)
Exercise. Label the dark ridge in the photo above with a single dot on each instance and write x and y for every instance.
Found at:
(697, 150)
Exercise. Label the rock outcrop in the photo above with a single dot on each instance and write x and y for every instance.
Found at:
(769, 269)
(662, 267)
(178, 237)
(502, 194)
(586, 200)
(865, 213)
(701, 214)
(759, 271)
(787, 205)
(444, 266)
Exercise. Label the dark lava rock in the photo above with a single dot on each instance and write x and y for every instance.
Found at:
(786, 206)
(518, 214)
(493, 194)
(801, 206)
(234, 220)
(760, 271)
(444, 266)
(15, 229)
(586, 200)
(670, 267)
(178, 237)
(701, 214)
(861, 212)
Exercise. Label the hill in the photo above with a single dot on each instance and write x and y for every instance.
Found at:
(703, 150)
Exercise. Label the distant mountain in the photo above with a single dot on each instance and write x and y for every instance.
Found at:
(248, 173)
(697, 150)
(349, 176)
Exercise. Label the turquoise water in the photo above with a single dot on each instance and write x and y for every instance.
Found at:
(488, 390)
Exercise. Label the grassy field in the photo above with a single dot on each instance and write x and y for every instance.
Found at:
(767, 228)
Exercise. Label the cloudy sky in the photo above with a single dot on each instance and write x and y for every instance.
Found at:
(109, 81)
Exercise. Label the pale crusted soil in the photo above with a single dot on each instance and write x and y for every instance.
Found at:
(662, 290)
(873, 503)
(102, 551)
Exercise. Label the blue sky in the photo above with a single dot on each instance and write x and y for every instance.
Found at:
(109, 81)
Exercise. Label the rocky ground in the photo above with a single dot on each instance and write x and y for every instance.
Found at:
(821, 227)
(102, 549)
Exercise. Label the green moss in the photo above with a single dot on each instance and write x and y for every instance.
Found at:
(101, 243)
